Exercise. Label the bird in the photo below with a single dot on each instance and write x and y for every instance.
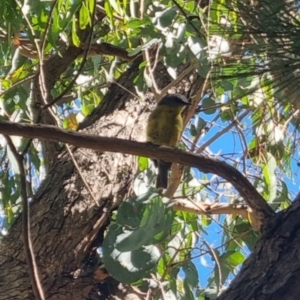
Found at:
(164, 128)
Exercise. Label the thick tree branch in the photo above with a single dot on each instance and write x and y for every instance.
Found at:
(261, 210)
(27, 49)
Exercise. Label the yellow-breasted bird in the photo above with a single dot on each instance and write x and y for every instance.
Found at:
(164, 127)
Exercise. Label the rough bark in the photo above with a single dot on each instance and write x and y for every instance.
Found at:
(62, 217)
(272, 272)
(64, 214)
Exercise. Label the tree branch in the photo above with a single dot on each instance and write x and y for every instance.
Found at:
(30, 258)
(261, 210)
(210, 208)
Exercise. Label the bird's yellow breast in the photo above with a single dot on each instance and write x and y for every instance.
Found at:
(165, 126)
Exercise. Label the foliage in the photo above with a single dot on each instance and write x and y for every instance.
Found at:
(245, 118)
(129, 245)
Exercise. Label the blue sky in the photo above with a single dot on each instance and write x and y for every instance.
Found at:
(230, 143)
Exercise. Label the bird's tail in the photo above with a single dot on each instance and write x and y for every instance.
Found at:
(162, 176)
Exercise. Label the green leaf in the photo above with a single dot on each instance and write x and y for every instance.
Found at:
(226, 115)
(91, 5)
(210, 293)
(84, 17)
(283, 200)
(227, 85)
(149, 224)
(191, 274)
(196, 46)
(270, 177)
(172, 60)
(167, 17)
(205, 220)
(143, 163)
(116, 6)
(130, 266)
(75, 38)
(198, 126)
(247, 235)
(188, 294)
(137, 23)
(131, 211)
(233, 258)
(208, 106)
(109, 13)
(153, 227)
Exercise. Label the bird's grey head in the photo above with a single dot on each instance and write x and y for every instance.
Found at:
(174, 100)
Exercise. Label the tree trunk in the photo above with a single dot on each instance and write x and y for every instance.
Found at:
(67, 219)
(64, 213)
(272, 272)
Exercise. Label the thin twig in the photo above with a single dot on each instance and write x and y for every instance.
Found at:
(80, 174)
(209, 209)
(154, 88)
(287, 122)
(29, 253)
(216, 259)
(176, 80)
(243, 143)
(43, 86)
(197, 96)
(96, 227)
(73, 81)
(125, 89)
(223, 131)
(43, 43)
(188, 19)
(17, 84)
